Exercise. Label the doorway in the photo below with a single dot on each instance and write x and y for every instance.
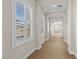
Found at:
(56, 27)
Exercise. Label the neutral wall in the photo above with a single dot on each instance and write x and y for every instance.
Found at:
(46, 27)
(22, 50)
(43, 28)
(40, 18)
(73, 16)
(67, 22)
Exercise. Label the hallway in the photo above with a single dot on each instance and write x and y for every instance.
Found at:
(39, 29)
(54, 48)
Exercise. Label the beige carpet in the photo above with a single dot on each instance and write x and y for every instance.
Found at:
(54, 48)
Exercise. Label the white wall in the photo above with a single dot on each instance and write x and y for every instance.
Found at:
(46, 27)
(43, 27)
(73, 33)
(40, 19)
(22, 50)
(67, 22)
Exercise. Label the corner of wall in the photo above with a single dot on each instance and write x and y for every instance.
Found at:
(69, 49)
(38, 48)
(72, 52)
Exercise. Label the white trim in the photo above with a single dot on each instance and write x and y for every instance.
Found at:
(16, 43)
(69, 50)
(26, 56)
(38, 48)
(26, 41)
(42, 41)
(47, 39)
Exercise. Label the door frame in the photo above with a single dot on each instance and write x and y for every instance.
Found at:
(63, 22)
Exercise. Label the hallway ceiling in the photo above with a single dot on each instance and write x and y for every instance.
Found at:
(53, 5)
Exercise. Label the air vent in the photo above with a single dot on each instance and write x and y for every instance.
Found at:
(59, 6)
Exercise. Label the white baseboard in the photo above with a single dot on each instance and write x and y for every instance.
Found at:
(69, 50)
(42, 42)
(38, 48)
(27, 55)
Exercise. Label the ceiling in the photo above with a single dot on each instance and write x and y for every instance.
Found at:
(53, 5)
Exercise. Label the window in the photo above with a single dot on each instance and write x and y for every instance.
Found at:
(21, 23)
